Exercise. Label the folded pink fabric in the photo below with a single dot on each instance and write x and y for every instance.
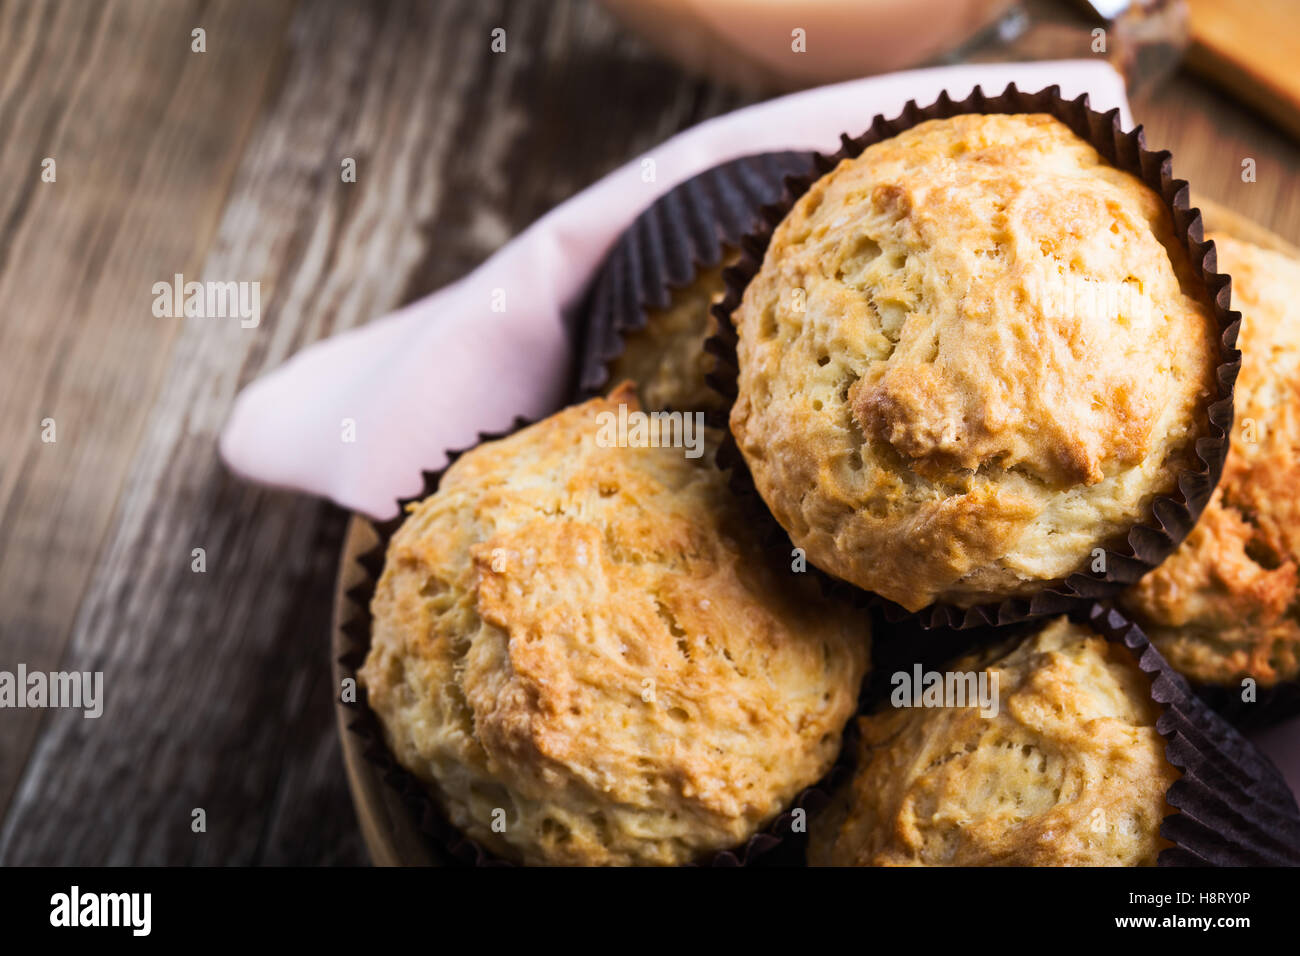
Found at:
(472, 356)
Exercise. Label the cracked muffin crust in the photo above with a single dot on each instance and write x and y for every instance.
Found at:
(1070, 772)
(976, 349)
(1225, 605)
(585, 646)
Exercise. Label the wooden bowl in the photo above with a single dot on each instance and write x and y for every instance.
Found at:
(387, 827)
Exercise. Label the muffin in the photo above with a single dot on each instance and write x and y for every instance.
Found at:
(1225, 605)
(1069, 772)
(978, 338)
(666, 357)
(582, 652)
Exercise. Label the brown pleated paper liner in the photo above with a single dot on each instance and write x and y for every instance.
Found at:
(775, 844)
(1147, 544)
(1234, 807)
(685, 231)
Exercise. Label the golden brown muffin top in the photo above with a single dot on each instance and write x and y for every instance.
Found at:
(1070, 772)
(979, 337)
(1226, 605)
(589, 644)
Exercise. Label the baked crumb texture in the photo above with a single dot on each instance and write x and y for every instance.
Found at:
(972, 355)
(666, 357)
(1071, 771)
(1224, 606)
(585, 646)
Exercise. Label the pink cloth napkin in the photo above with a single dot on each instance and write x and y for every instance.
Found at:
(434, 374)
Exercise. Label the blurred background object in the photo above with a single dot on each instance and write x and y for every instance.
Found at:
(783, 45)
(757, 42)
(1252, 49)
(1249, 47)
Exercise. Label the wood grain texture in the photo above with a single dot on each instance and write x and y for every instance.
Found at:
(218, 684)
(144, 150)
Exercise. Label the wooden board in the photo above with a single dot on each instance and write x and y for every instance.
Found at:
(1252, 48)
(387, 827)
(144, 151)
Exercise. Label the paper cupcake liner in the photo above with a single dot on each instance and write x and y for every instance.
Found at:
(447, 844)
(1173, 516)
(1234, 807)
(686, 231)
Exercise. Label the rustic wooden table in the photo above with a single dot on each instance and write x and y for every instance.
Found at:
(225, 164)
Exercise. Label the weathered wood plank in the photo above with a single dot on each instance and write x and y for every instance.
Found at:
(145, 135)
